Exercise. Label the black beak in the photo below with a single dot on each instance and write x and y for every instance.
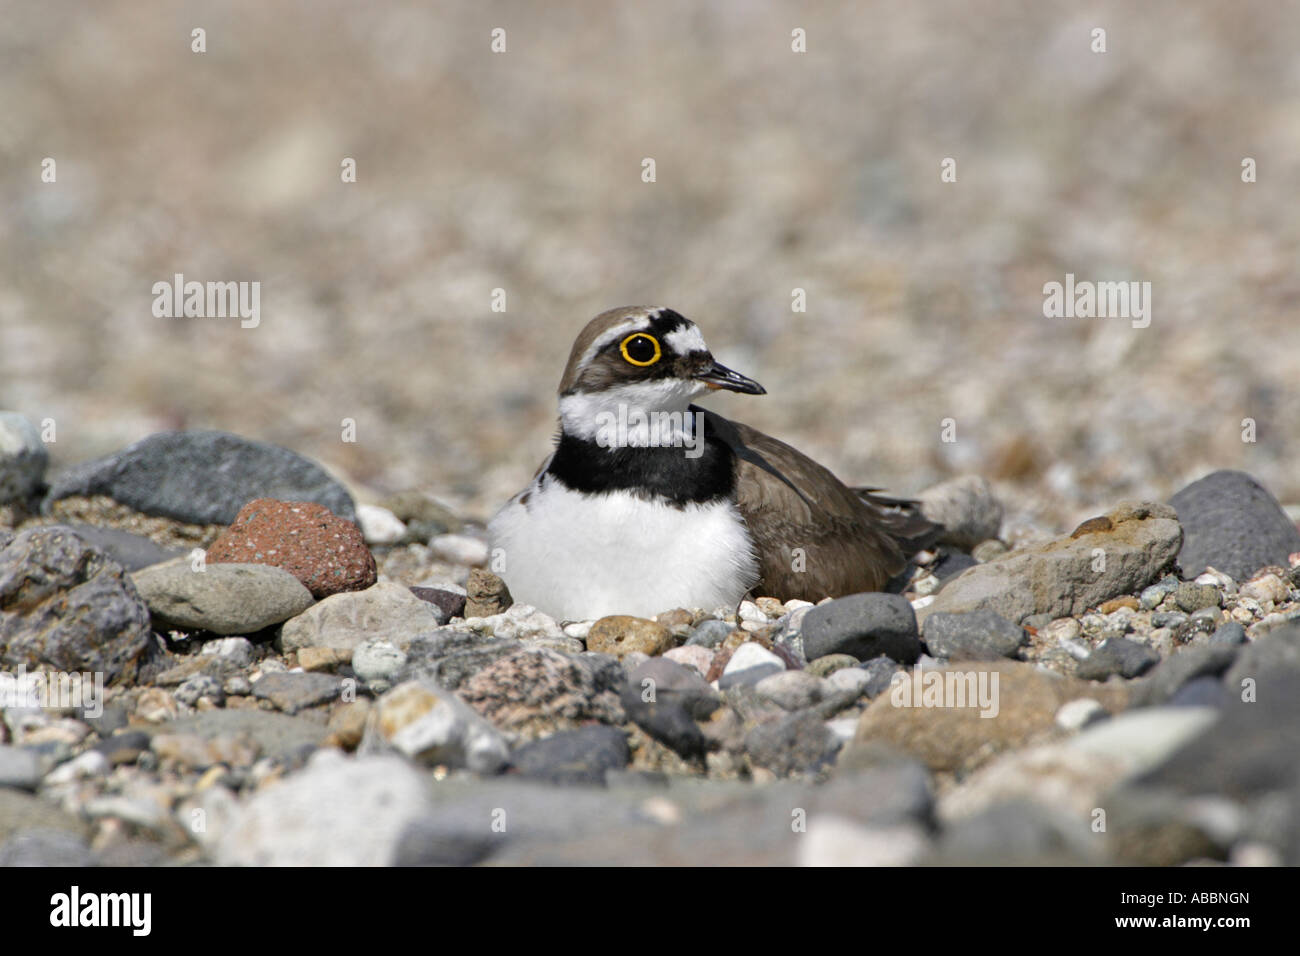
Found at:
(719, 376)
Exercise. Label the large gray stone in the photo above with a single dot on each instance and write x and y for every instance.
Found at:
(967, 509)
(221, 598)
(202, 477)
(1231, 523)
(67, 607)
(1119, 553)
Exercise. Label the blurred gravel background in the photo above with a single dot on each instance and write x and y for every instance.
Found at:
(775, 171)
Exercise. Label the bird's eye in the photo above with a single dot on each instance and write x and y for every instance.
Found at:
(640, 349)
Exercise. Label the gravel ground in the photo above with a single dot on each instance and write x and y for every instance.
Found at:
(371, 694)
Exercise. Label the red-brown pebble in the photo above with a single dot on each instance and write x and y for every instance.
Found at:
(323, 551)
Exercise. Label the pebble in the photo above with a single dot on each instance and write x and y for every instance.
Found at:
(379, 526)
(378, 663)
(864, 626)
(198, 686)
(1079, 713)
(23, 459)
(449, 600)
(699, 659)
(749, 664)
(854, 680)
(709, 634)
(486, 594)
(19, 768)
(325, 552)
(337, 811)
(221, 598)
(1207, 619)
(989, 550)
(1232, 523)
(92, 763)
(975, 635)
(434, 727)
(794, 690)
(535, 691)
(880, 673)
(1192, 597)
(575, 757)
(237, 650)
(796, 743)
(1229, 634)
(1152, 596)
(620, 635)
(460, 549)
(1063, 629)
(210, 476)
(345, 620)
(294, 692)
(1117, 655)
(522, 622)
(1266, 587)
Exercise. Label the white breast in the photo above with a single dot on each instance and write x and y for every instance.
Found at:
(579, 557)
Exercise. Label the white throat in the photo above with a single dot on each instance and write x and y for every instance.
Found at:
(647, 414)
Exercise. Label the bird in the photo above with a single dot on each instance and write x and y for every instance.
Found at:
(650, 503)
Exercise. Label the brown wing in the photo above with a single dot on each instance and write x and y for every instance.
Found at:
(815, 536)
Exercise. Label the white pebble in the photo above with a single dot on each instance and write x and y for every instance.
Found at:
(379, 525)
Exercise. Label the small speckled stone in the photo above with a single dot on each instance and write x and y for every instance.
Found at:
(693, 656)
(325, 552)
(1192, 597)
(487, 594)
(621, 634)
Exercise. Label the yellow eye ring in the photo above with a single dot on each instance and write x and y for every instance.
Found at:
(622, 347)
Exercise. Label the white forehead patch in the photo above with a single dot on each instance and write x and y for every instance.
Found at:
(686, 340)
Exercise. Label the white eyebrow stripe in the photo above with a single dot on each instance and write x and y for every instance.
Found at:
(631, 325)
(686, 340)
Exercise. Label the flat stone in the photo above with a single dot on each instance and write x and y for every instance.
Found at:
(131, 551)
(973, 636)
(794, 690)
(1118, 553)
(343, 621)
(221, 598)
(581, 756)
(293, 692)
(201, 477)
(276, 735)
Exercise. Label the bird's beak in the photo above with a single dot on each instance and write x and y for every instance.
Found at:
(719, 376)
